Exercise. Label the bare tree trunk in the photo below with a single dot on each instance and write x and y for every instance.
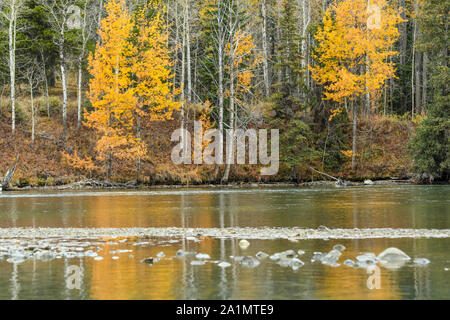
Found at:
(32, 113)
(368, 107)
(230, 138)
(188, 51)
(404, 35)
(413, 64)
(354, 136)
(265, 50)
(182, 82)
(109, 166)
(138, 136)
(12, 63)
(80, 80)
(63, 79)
(424, 80)
(418, 77)
(306, 17)
(44, 72)
(221, 44)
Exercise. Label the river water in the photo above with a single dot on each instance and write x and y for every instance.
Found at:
(126, 277)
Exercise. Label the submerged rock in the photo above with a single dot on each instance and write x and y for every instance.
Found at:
(197, 262)
(331, 257)
(262, 255)
(368, 182)
(115, 258)
(318, 256)
(334, 265)
(148, 260)
(249, 262)
(181, 253)
(98, 258)
(421, 261)
(45, 255)
(161, 255)
(393, 255)
(296, 264)
(300, 252)
(224, 264)
(339, 247)
(17, 259)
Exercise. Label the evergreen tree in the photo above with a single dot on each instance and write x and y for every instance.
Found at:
(430, 146)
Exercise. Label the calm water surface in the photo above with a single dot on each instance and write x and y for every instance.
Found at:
(174, 278)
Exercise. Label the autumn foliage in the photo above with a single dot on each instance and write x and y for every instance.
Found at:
(130, 82)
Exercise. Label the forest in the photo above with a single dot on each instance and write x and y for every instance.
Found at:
(93, 89)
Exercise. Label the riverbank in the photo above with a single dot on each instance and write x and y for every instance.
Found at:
(102, 185)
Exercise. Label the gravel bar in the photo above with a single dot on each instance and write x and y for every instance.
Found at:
(263, 233)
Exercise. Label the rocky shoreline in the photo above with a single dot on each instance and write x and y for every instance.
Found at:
(264, 233)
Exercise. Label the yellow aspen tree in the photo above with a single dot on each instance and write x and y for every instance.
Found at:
(352, 55)
(110, 90)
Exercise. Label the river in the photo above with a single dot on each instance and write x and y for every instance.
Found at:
(126, 277)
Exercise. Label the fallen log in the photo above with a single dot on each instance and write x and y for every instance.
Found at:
(98, 184)
(339, 182)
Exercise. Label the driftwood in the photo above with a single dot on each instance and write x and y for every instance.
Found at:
(89, 183)
(5, 183)
(339, 182)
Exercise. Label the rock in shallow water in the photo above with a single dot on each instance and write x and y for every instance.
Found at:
(339, 247)
(393, 255)
(148, 260)
(249, 262)
(367, 258)
(421, 261)
(288, 254)
(349, 263)
(244, 244)
(224, 264)
(262, 255)
(275, 257)
(202, 256)
(197, 262)
(318, 256)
